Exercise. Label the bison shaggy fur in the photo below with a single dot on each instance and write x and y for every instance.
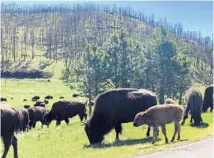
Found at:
(161, 115)
(9, 124)
(63, 110)
(208, 99)
(193, 105)
(115, 107)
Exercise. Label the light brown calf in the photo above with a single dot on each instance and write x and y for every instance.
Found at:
(160, 115)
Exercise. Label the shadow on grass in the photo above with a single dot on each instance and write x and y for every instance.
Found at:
(121, 143)
(202, 125)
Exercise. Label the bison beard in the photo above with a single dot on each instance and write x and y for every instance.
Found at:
(114, 108)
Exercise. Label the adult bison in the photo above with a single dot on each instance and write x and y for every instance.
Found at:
(39, 103)
(36, 114)
(9, 124)
(35, 98)
(62, 110)
(23, 119)
(193, 105)
(49, 97)
(115, 107)
(3, 99)
(208, 99)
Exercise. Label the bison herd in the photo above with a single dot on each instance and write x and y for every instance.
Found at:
(111, 110)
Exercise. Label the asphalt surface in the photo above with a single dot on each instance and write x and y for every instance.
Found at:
(200, 149)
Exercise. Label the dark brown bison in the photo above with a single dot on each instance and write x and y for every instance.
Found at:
(26, 106)
(46, 101)
(3, 99)
(23, 119)
(194, 105)
(208, 99)
(49, 97)
(114, 108)
(63, 110)
(36, 114)
(24, 99)
(75, 95)
(39, 103)
(35, 98)
(9, 124)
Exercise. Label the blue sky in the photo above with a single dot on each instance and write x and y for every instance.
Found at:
(193, 15)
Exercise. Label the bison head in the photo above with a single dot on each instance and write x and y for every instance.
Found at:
(47, 118)
(141, 119)
(93, 134)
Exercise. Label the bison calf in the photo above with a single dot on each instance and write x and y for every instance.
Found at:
(9, 124)
(62, 110)
(161, 115)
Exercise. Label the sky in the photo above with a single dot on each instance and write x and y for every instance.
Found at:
(193, 15)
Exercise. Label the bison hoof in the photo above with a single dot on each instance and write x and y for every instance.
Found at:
(166, 141)
(153, 142)
(178, 138)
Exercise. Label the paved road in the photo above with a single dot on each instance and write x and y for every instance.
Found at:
(200, 149)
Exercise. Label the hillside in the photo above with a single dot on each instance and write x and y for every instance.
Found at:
(40, 36)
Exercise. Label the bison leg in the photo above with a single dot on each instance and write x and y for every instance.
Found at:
(7, 143)
(15, 147)
(58, 121)
(175, 130)
(179, 131)
(163, 127)
(66, 121)
(148, 131)
(118, 130)
(34, 124)
(191, 120)
(211, 109)
(81, 117)
(155, 131)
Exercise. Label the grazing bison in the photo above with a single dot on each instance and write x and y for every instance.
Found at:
(23, 119)
(161, 115)
(208, 99)
(169, 101)
(61, 97)
(36, 114)
(62, 110)
(24, 99)
(9, 124)
(194, 104)
(3, 99)
(39, 103)
(115, 107)
(49, 97)
(75, 95)
(35, 98)
(46, 101)
(26, 106)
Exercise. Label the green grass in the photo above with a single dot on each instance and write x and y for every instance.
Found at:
(71, 141)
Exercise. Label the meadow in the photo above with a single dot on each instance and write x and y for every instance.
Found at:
(71, 141)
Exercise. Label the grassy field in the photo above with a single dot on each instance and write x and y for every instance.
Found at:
(71, 141)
